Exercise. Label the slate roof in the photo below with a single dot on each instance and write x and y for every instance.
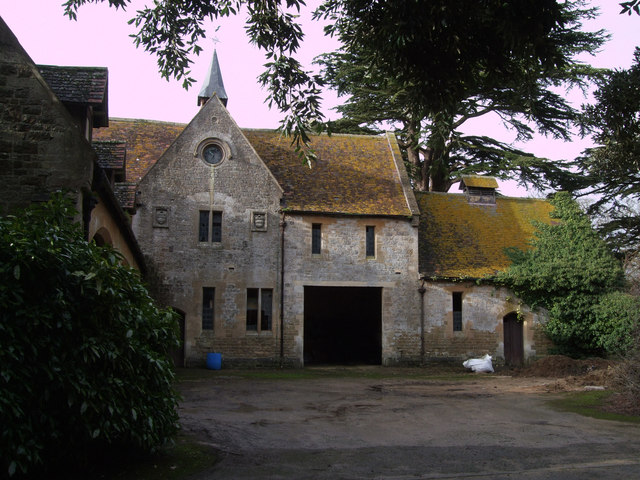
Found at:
(146, 140)
(126, 194)
(111, 154)
(340, 182)
(213, 83)
(462, 240)
(80, 85)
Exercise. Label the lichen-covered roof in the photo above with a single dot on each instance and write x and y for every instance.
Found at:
(146, 141)
(353, 174)
(111, 154)
(463, 240)
(478, 181)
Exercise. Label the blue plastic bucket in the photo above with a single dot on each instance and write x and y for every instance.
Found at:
(214, 361)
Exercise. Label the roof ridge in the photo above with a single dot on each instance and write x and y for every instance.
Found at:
(117, 119)
(333, 134)
(503, 197)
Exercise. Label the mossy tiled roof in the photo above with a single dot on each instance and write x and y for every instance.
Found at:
(146, 140)
(477, 181)
(354, 174)
(463, 240)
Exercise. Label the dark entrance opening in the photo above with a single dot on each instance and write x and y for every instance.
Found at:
(342, 325)
(513, 340)
(177, 353)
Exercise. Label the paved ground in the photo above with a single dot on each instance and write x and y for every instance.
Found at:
(401, 428)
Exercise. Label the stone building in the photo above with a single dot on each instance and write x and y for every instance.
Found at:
(463, 238)
(47, 117)
(272, 261)
(267, 260)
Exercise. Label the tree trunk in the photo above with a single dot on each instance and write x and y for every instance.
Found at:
(418, 171)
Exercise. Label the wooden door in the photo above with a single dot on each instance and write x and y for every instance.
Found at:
(513, 340)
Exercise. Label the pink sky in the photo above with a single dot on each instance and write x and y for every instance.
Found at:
(100, 38)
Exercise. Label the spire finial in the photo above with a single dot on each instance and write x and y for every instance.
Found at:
(213, 84)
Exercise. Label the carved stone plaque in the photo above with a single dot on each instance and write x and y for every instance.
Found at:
(259, 221)
(161, 217)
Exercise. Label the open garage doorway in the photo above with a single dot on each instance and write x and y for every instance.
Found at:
(342, 325)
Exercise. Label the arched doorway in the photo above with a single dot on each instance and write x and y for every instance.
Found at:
(513, 339)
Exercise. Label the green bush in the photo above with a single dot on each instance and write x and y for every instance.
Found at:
(616, 322)
(84, 351)
(571, 272)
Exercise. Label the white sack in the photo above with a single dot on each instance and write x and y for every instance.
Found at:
(479, 364)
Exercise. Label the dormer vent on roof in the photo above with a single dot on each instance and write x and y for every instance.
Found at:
(478, 189)
(213, 85)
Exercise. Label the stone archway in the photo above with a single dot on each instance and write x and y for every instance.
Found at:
(102, 237)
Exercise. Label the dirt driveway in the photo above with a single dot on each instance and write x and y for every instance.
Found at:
(400, 427)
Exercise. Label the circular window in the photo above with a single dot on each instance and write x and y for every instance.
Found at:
(212, 151)
(212, 154)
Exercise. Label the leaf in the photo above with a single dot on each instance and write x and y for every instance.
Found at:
(16, 272)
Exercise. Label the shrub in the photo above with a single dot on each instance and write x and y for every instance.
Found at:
(84, 356)
(571, 272)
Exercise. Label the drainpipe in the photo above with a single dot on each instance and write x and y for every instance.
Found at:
(422, 291)
(283, 225)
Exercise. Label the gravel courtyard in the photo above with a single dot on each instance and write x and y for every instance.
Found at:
(400, 426)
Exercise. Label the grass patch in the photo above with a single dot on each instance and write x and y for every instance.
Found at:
(590, 404)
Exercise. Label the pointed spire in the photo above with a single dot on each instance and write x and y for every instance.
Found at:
(213, 84)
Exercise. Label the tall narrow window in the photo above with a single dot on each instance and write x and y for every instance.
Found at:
(203, 226)
(266, 299)
(253, 295)
(208, 295)
(457, 311)
(216, 227)
(259, 309)
(370, 241)
(316, 238)
(210, 229)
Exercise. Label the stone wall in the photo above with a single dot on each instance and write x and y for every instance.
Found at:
(343, 263)
(103, 224)
(41, 149)
(172, 194)
(483, 310)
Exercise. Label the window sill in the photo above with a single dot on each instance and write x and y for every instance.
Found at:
(213, 245)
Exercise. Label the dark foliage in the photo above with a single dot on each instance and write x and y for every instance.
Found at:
(84, 361)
